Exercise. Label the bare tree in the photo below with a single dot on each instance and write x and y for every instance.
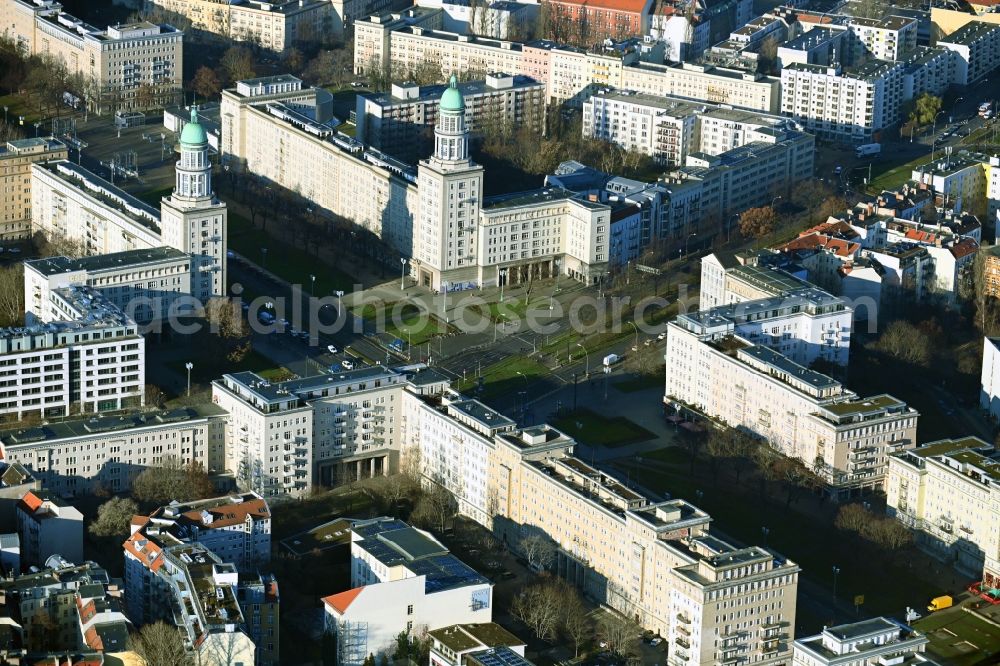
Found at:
(907, 343)
(621, 634)
(575, 619)
(539, 551)
(12, 294)
(159, 644)
(540, 608)
(172, 480)
(435, 508)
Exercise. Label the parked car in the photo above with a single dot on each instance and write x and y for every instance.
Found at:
(331, 349)
(347, 365)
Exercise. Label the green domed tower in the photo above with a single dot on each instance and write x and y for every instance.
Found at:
(451, 140)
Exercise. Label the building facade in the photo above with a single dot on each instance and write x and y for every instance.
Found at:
(402, 121)
(147, 285)
(948, 492)
(84, 455)
(977, 50)
(47, 526)
(125, 66)
(275, 26)
(402, 580)
(72, 203)
(82, 353)
(16, 159)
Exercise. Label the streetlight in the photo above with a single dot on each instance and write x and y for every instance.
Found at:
(312, 285)
(764, 532)
(934, 133)
(263, 257)
(587, 355)
(5, 115)
(688, 240)
(635, 347)
(189, 366)
(836, 570)
(402, 273)
(524, 396)
(503, 278)
(775, 199)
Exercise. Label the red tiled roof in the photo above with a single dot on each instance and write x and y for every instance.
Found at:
(230, 514)
(31, 501)
(920, 236)
(964, 248)
(342, 600)
(144, 550)
(840, 247)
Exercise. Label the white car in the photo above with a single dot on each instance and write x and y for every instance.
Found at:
(662, 336)
(347, 365)
(331, 349)
(15, 250)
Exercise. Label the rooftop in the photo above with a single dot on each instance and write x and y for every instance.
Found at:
(501, 656)
(101, 190)
(468, 89)
(788, 367)
(394, 543)
(463, 637)
(90, 425)
(520, 199)
(969, 33)
(864, 405)
(56, 265)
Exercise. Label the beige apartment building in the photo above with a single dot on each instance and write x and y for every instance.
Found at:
(275, 25)
(803, 414)
(402, 43)
(949, 493)
(122, 66)
(16, 159)
(653, 561)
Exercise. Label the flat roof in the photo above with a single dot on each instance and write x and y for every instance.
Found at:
(501, 656)
(279, 391)
(863, 405)
(462, 637)
(432, 93)
(784, 364)
(92, 425)
(519, 199)
(482, 413)
(56, 265)
(855, 630)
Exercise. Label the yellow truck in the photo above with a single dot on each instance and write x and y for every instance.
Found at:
(940, 603)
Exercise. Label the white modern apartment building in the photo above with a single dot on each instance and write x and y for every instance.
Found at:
(716, 621)
(286, 437)
(804, 325)
(275, 25)
(663, 128)
(963, 180)
(399, 122)
(400, 43)
(733, 278)
(70, 202)
(801, 413)
(85, 454)
(16, 158)
(120, 65)
(191, 588)
(847, 105)
(989, 395)
(977, 50)
(455, 451)
(84, 354)
(237, 528)
(889, 38)
(402, 580)
(878, 640)
(948, 492)
(147, 285)
(46, 526)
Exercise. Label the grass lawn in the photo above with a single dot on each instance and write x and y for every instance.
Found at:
(888, 174)
(640, 383)
(404, 321)
(596, 430)
(503, 378)
(290, 263)
(960, 638)
(20, 105)
(205, 370)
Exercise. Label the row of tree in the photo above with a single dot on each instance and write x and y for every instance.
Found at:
(885, 532)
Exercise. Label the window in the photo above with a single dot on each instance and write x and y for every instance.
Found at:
(409, 609)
